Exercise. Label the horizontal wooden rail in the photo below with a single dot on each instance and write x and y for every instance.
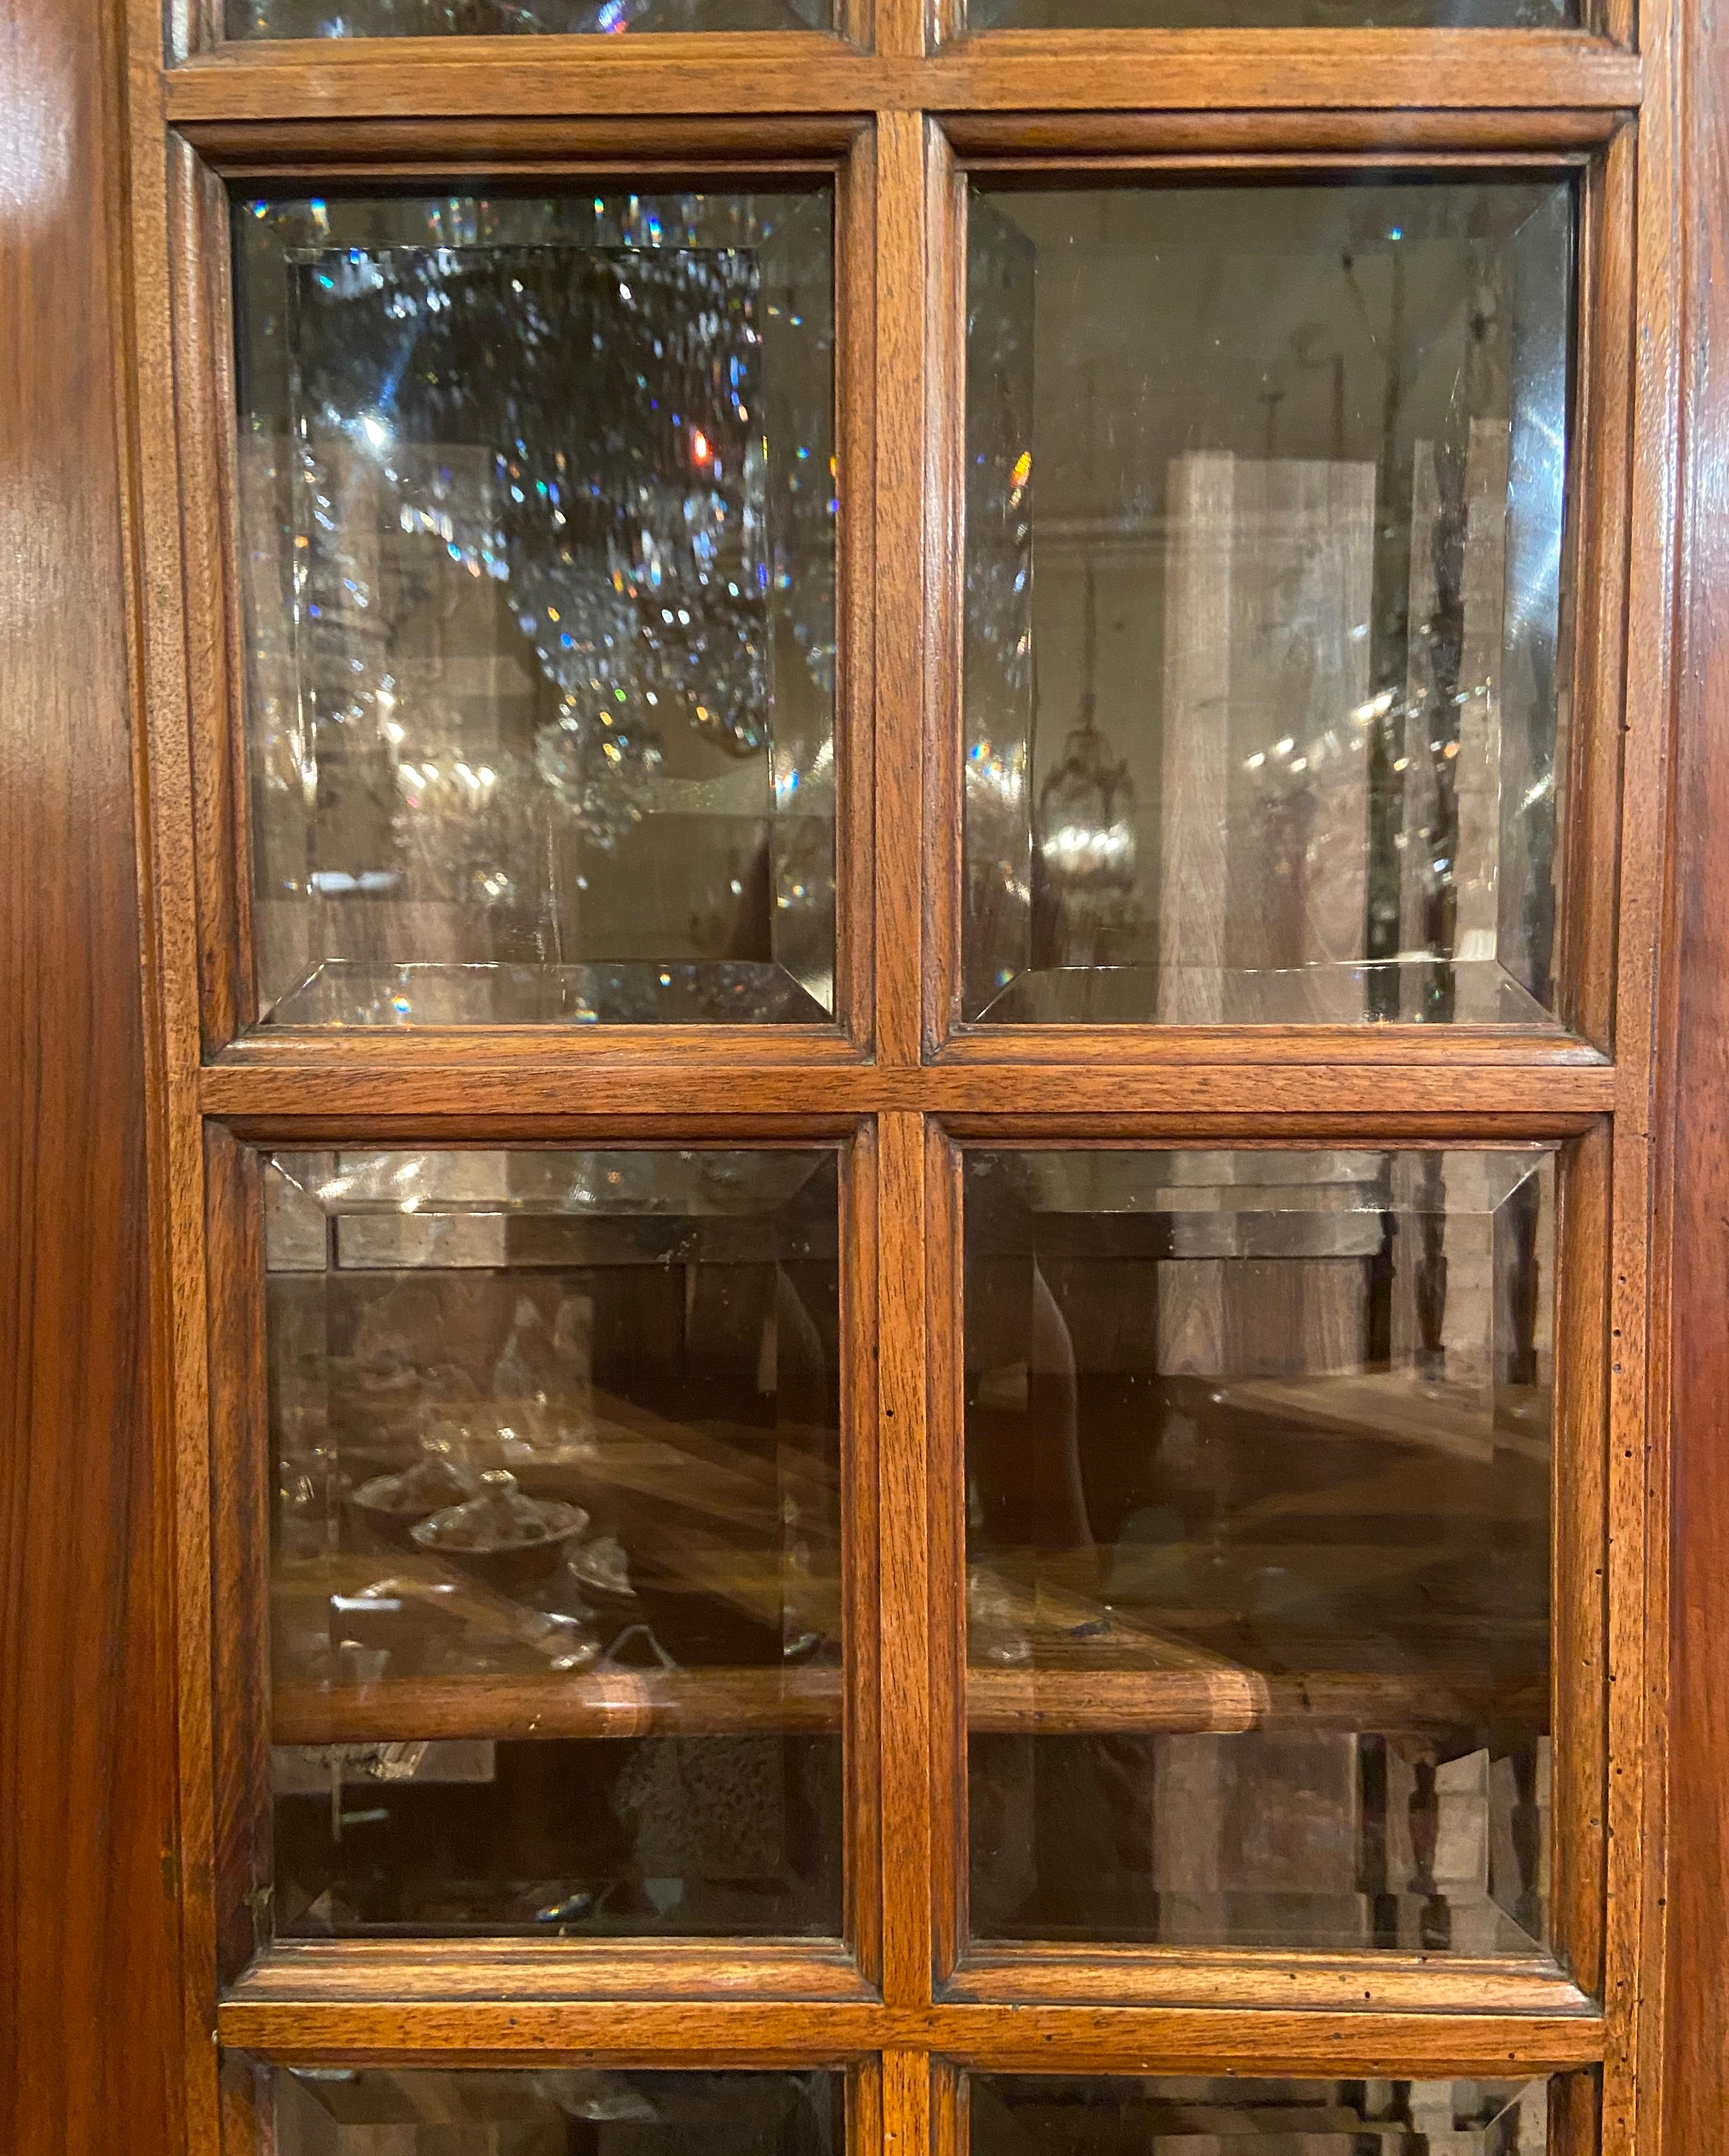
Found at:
(761, 2031)
(1388, 70)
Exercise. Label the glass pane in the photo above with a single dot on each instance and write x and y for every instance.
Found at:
(556, 1611)
(1266, 714)
(554, 2111)
(1258, 1477)
(538, 507)
(1267, 14)
(449, 19)
(1029, 2117)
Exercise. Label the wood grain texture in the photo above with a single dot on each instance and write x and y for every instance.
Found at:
(366, 1970)
(907, 2117)
(1691, 1349)
(1599, 477)
(1227, 101)
(862, 1707)
(898, 512)
(87, 1940)
(1326, 137)
(351, 1102)
(1123, 70)
(1195, 1976)
(1581, 1537)
(904, 1557)
(160, 180)
(1045, 2038)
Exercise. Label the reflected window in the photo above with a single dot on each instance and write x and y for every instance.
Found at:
(1258, 1504)
(538, 518)
(1265, 704)
(556, 1635)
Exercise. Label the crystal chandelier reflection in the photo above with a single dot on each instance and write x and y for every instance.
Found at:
(625, 505)
(1086, 806)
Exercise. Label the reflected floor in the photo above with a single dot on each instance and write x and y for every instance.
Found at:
(344, 992)
(1403, 991)
(1474, 1928)
(1123, 2117)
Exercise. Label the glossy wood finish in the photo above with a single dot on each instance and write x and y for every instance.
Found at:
(1689, 1370)
(898, 130)
(89, 1935)
(1161, 71)
(1046, 2038)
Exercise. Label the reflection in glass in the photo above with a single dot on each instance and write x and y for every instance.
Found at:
(446, 19)
(556, 1603)
(1025, 2116)
(555, 2111)
(538, 507)
(1267, 14)
(1266, 719)
(1258, 1498)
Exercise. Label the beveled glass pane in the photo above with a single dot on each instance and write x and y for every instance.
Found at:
(1258, 1502)
(556, 1635)
(448, 18)
(1025, 2116)
(1268, 14)
(538, 514)
(551, 2111)
(1265, 705)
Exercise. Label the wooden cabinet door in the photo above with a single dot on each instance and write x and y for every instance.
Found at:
(867, 1083)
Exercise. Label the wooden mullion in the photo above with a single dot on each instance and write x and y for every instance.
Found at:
(909, 1854)
(900, 28)
(908, 2094)
(901, 361)
(862, 1556)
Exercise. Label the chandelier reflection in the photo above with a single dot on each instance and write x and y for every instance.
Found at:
(617, 488)
(1085, 824)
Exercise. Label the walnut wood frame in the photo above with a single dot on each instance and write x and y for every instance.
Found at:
(896, 124)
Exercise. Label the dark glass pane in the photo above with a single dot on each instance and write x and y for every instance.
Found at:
(1268, 14)
(1266, 716)
(538, 514)
(553, 2111)
(448, 18)
(1024, 2116)
(1258, 1492)
(555, 1607)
